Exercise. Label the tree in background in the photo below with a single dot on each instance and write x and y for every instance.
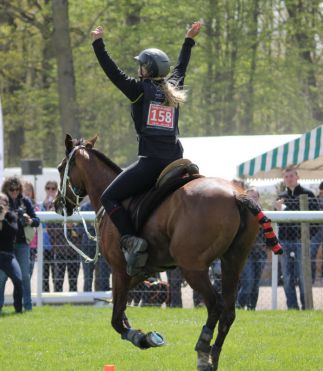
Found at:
(65, 70)
(257, 69)
(28, 85)
(306, 33)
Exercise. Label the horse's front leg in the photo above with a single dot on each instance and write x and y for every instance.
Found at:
(121, 284)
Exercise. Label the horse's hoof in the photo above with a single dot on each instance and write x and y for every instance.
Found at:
(154, 339)
(206, 368)
(205, 363)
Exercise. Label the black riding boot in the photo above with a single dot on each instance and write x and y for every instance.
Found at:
(133, 247)
(135, 252)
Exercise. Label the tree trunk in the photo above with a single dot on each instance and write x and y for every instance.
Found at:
(14, 151)
(16, 136)
(65, 70)
(231, 56)
(247, 122)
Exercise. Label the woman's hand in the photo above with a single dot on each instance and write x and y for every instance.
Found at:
(97, 33)
(194, 30)
(27, 219)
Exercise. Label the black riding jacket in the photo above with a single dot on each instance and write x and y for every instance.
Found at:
(158, 142)
(25, 205)
(8, 232)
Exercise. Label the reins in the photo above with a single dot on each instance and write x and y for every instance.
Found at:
(67, 183)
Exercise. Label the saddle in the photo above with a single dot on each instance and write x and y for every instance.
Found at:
(174, 176)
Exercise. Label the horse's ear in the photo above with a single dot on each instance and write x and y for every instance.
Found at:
(90, 143)
(68, 143)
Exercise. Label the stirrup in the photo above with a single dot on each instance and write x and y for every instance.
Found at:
(135, 252)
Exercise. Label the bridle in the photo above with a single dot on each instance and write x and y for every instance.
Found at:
(66, 183)
(61, 200)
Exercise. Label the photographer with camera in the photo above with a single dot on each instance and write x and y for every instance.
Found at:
(25, 213)
(8, 261)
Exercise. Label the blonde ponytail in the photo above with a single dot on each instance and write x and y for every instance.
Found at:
(173, 95)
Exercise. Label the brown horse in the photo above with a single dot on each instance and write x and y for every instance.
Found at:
(203, 220)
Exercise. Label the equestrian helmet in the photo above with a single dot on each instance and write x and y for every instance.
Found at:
(155, 61)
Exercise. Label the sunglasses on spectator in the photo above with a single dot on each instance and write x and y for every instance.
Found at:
(51, 188)
(11, 189)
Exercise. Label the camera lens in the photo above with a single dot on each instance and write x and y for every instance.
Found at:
(21, 218)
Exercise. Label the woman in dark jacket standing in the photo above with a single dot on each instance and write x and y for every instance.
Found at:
(8, 261)
(155, 103)
(25, 214)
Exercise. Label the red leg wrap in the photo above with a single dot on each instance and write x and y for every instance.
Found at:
(269, 233)
(267, 225)
(260, 215)
(277, 249)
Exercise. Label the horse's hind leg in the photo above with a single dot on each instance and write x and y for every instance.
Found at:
(230, 277)
(200, 282)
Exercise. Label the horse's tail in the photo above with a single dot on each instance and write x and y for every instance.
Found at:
(263, 220)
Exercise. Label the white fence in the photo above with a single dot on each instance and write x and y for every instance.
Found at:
(277, 296)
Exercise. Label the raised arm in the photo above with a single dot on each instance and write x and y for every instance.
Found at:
(178, 74)
(129, 86)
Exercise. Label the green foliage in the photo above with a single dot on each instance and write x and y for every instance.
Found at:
(81, 338)
(256, 69)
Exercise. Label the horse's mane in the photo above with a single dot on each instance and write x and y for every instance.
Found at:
(101, 156)
(107, 161)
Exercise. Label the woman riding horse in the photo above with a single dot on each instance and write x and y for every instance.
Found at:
(155, 103)
(203, 220)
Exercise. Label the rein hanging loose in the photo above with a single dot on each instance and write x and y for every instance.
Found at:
(67, 182)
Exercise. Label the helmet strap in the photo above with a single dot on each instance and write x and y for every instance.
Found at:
(157, 78)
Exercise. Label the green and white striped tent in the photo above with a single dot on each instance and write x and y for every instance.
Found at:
(305, 153)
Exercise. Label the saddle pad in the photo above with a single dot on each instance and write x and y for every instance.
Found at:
(142, 206)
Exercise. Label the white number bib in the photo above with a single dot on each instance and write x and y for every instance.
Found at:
(160, 116)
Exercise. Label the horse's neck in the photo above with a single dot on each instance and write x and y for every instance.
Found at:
(97, 177)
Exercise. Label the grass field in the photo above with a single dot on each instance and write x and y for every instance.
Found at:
(81, 338)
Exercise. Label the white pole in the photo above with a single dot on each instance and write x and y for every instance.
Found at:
(40, 259)
(274, 280)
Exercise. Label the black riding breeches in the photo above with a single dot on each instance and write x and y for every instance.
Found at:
(136, 179)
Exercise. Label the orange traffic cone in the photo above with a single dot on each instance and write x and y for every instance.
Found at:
(109, 368)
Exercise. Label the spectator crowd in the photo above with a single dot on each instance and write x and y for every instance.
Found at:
(62, 265)
(19, 241)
